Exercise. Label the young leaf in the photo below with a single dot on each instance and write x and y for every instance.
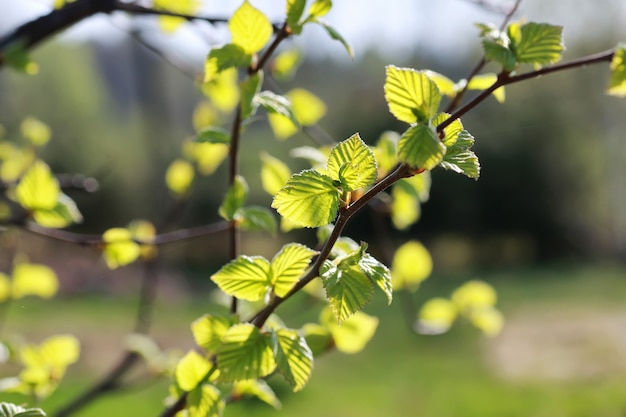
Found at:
(295, 9)
(460, 159)
(386, 152)
(436, 316)
(208, 331)
(119, 249)
(405, 207)
(12, 410)
(536, 43)
(488, 319)
(223, 58)
(319, 8)
(274, 173)
(208, 156)
(205, 401)
(332, 32)
(452, 131)
(257, 388)
(378, 273)
(250, 29)
(495, 51)
(63, 214)
(617, 83)
(245, 353)
(309, 199)
(249, 89)
(474, 294)
(212, 134)
(38, 189)
(191, 370)
(54, 354)
(288, 266)
(285, 64)
(35, 131)
(420, 147)
(275, 103)
(222, 89)
(353, 334)
(16, 56)
(411, 265)
(293, 357)
(353, 163)
(483, 82)
(235, 198)
(179, 176)
(33, 279)
(256, 218)
(446, 86)
(411, 96)
(307, 107)
(348, 290)
(246, 277)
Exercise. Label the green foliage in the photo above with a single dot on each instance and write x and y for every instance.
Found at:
(617, 83)
(12, 410)
(245, 353)
(250, 29)
(411, 95)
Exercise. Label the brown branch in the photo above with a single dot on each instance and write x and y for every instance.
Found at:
(506, 79)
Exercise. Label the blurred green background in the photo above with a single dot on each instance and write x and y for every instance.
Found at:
(545, 224)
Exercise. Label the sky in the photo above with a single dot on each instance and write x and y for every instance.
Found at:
(393, 26)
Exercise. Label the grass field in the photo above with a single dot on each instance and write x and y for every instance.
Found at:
(562, 353)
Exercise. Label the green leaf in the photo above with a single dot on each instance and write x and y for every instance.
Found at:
(460, 159)
(452, 131)
(119, 249)
(494, 51)
(411, 96)
(420, 147)
(256, 219)
(221, 88)
(446, 86)
(34, 279)
(536, 43)
(332, 32)
(250, 29)
(411, 265)
(353, 163)
(307, 108)
(419, 185)
(213, 134)
(353, 334)
(63, 214)
(246, 277)
(191, 370)
(35, 131)
(179, 176)
(405, 207)
(386, 152)
(205, 401)
(223, 58)
(293, 357)
(288, 265)
(285, 64)
(257, 388)
(274, 173)
(474, 294)
(483, 82)
(245, 353)
(208, 331)
(250, 87)
(348, 290)
(488, 319)
(16, 56)
(309, 199)
(436, 316)
(235, 198)
(295, 9)
(319, 8)
(275, 103)
(318, 337)
(12, 410)
(378, 273)
(38, 189)
(617, 83)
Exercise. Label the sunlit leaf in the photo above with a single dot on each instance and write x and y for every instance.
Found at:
(257, 388)
(205, 401)
(459, 158)
(12, 410)
(320, 8)
(378, 273)
(245, 353)
(293, 358)
(55, 353)
(282, 126)
(446, 86)
(420, 147)
(451, 132)
(436, 316)
(348, 290)
(34, 279)
(497, 47)
(208, 331)
(250, 28)
(256, 218)
(5, 288)
(386, 152)
(334, 34)
(222, 89)
(179, 176)
(15, 161)
(170, 23)
(307, 108)
(318, 337)
(405, 208)
(212, 134)
(617, 82)
(285, 64)
(536, 43)
(16, 56)
(411, 96)
(235, 198)
(411, 265)
(250, 87)
(223, 58)
(246, 277)
(353, 163)
(483, 82)
(64, 213)
(35, 131)
(274, 103)
(488, 319)
(205, 115)
(207, 156)
(191, 370)
(353, 334)
(274, 173)
(288, 265)
(309, 199)
(119, 249)
(38, 189)
(474, 294)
